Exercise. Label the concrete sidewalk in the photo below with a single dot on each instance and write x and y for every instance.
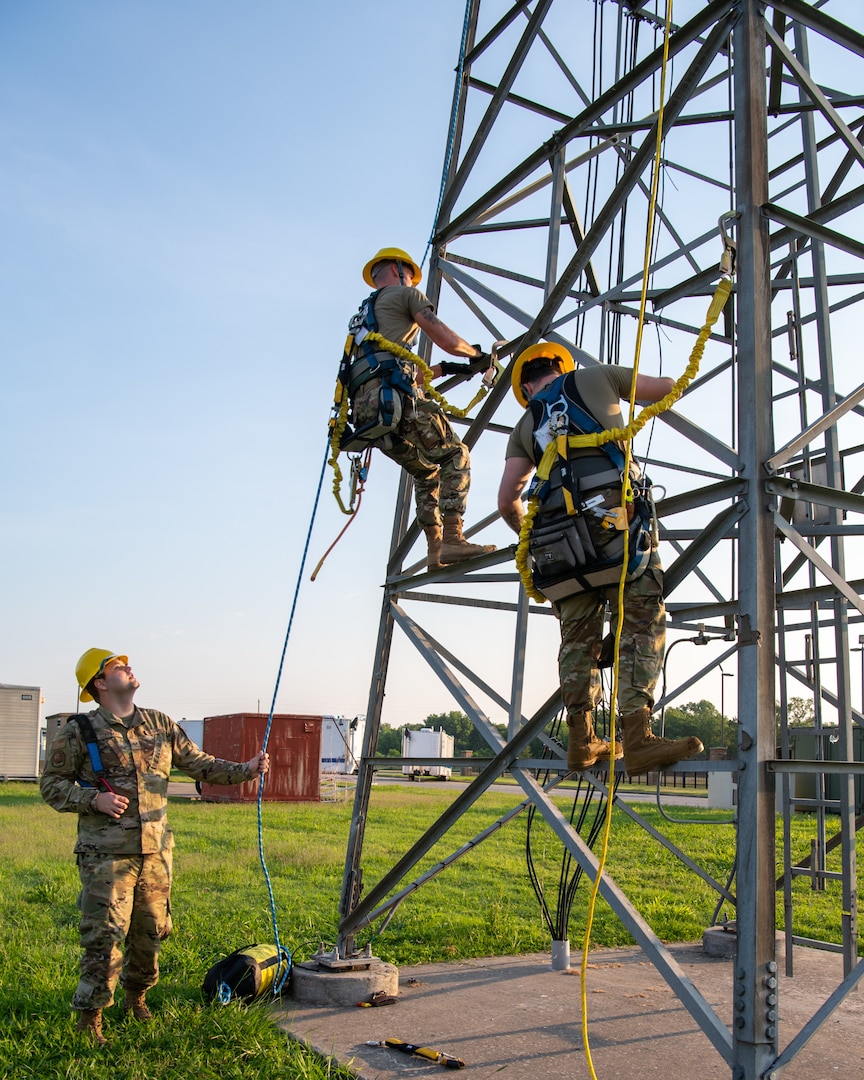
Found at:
(514, 1015)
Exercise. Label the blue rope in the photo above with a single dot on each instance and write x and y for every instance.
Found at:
(452, 136)
(280, 982)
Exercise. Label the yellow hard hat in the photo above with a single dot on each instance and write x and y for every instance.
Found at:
(398, 255)
(91, 664)
(545, 349)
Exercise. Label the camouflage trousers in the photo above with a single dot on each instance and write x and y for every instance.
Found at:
(426, 447)
(124, 900)
(643, 641)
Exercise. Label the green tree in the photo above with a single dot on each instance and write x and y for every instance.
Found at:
(799, 712)
(700, 718)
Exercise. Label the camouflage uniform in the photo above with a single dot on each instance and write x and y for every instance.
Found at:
(124, 863)
(643, 640)
(426, 447)
(643, 635)
(424, 443)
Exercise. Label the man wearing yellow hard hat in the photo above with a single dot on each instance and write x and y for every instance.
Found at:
(111, 768)
(391, 411)
(576, 546)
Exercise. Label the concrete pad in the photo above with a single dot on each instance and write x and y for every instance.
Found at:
(516, 1016)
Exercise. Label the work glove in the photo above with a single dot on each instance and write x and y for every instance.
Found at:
(466, 367)
(479, 363)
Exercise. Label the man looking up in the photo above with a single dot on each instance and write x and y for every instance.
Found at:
(391, 410)
(561, 400)
(111, 767)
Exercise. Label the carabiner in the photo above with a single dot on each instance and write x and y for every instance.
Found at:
(730, 250)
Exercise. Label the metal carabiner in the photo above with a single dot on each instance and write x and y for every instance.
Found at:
(730, 249)
(490, 375)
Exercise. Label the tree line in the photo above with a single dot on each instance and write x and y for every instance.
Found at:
(701, 718)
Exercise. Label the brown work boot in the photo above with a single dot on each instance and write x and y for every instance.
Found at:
(644, 751)
(584, 748)
(134, 1003)
(90, 1021)
(454, 546)
(433, 544)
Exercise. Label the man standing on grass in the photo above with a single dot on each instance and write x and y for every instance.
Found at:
(111, 767)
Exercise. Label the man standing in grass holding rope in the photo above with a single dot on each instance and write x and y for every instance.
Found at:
(111, 767)
(577, 546)
(390, 409)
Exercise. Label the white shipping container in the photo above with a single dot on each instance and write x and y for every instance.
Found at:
(341, 743)
(20, 737)
(427, 743)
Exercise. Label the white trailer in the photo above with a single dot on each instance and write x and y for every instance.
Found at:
(20, 738)
(427, 743)
(194, 729)
(341, 743)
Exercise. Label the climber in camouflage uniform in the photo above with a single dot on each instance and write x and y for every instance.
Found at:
(111, 768)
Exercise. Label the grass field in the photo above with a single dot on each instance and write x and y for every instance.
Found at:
(481, 906)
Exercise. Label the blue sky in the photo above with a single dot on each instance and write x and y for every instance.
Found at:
(187, 195)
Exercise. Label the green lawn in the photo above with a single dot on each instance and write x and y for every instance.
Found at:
(481, 906)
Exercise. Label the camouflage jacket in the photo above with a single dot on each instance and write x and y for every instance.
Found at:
(137, 754)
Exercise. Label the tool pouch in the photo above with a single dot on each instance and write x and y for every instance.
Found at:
(559, 572)
(560, 546)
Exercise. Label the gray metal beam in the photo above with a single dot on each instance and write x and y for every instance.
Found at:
(754, 1023)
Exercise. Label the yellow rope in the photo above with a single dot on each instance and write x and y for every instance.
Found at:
(413, 358)
(340, 402)
(627, 496)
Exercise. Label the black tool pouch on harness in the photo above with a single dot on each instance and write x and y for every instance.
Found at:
(557, 581)
(560, 546)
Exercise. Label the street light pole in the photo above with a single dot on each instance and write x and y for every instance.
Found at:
(861, 650)
(723, 676)
(861, 644)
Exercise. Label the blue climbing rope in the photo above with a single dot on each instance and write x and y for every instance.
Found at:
(280, 982)
(451, 139)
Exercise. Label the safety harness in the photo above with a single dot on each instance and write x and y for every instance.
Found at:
(576, 542)
(361, 362)
(85, 726)
(369, 355)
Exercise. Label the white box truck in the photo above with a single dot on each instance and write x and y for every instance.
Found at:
(341, 744)
(427, 743)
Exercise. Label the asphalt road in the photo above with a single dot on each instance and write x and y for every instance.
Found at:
(180, 789)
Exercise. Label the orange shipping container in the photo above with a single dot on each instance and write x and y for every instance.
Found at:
(295, 756)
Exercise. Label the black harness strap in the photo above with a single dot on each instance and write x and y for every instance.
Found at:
(85, 726)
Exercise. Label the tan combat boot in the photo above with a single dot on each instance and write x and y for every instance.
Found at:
(134, 1003)
(433, 545)
(584, 748)
(90, 1021)
(644, 751)
(454, 546)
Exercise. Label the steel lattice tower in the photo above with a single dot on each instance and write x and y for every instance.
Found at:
(540, 235)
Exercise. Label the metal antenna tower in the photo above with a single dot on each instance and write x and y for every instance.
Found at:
(540, 235)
